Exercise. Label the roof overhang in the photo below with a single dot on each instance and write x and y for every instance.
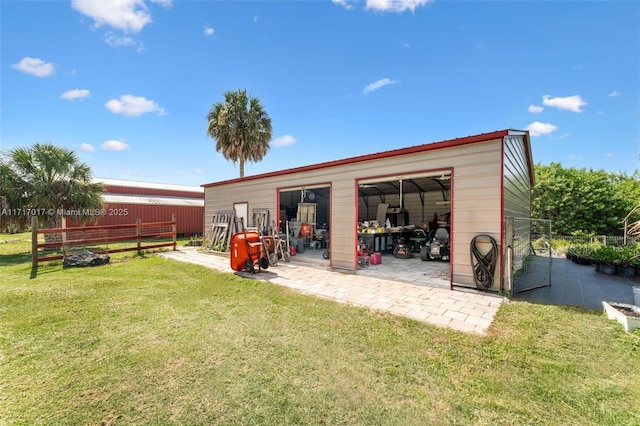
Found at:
(499, 134)
(148, 185)
(152, 200)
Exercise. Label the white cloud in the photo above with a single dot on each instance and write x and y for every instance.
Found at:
(115, 40)
(344, 3)
(377, 85)
(395, 5)
(535, 109)
(255, 18)
(614, 94)
(208, 31)
(198, 170)
(385, 5)
(133, 106)
(165, 3)
(609, 155)
(125, 15)
(406, 45)
(114, 145)
(538, 129)
(86, 147)
(283, 141)
(570, 103)
(34, 66)
(75, 94)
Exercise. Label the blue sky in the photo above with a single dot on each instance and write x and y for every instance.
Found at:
(127, 84)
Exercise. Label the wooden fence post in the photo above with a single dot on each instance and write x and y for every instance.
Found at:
(34, 242)
(174, 230)
(138, 234)
(63, 224)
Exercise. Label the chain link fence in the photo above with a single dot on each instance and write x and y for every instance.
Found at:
(605, 240)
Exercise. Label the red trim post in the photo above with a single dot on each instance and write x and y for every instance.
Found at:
(501, 251)
(451, 228)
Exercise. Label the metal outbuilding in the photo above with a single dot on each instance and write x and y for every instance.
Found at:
(126, 201)
(471, 185)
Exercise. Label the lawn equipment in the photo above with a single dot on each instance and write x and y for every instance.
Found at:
(437, 248)
(418, 239)
(248, 252)
(402, 250)
(363, 255)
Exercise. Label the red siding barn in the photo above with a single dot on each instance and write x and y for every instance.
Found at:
(127, 201)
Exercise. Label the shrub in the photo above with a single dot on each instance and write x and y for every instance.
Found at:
(582, 253)
(607, 254)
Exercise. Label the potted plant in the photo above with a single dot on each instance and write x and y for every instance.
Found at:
(606, 257)
(580, 254)
(627, 261)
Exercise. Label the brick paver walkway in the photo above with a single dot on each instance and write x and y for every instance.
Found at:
(465, 310)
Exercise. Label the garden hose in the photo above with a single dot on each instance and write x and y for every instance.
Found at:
(483, 265)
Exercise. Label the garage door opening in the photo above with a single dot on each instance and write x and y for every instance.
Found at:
(408, 220)
(304, 211)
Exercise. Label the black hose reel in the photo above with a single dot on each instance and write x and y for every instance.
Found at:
(483, 264)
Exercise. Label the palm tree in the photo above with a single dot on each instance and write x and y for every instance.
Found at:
(49, 180)
(241, 128)
(10, 199)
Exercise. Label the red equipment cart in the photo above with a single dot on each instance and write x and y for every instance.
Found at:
(248, 252)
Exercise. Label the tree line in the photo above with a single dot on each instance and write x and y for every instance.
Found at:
(584, 201)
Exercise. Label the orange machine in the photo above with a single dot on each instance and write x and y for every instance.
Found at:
(248, 252)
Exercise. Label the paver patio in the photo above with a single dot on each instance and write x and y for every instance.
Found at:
(466, 310)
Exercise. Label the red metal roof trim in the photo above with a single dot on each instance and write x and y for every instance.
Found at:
(368, 157)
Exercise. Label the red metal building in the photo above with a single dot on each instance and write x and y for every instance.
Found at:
(126, 201)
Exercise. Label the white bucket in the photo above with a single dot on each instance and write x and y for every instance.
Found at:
(636, 296)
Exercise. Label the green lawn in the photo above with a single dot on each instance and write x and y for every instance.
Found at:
(145, 340)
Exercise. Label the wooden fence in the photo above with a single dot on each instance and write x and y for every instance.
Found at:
(141, 236)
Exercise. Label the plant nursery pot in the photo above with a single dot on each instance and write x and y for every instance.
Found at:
(598, 267)
(636, 296)
(608, 268)
(627, 271)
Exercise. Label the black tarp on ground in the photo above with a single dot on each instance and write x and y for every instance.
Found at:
(85, 258)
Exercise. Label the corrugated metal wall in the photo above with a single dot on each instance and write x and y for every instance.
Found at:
(517, 192)
(143, 206)
(189, 219)
(476, 196)
(517, 185)
(132, 190)
(117, 186)
(418, 213)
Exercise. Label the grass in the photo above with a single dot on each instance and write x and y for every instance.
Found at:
(145, 340)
